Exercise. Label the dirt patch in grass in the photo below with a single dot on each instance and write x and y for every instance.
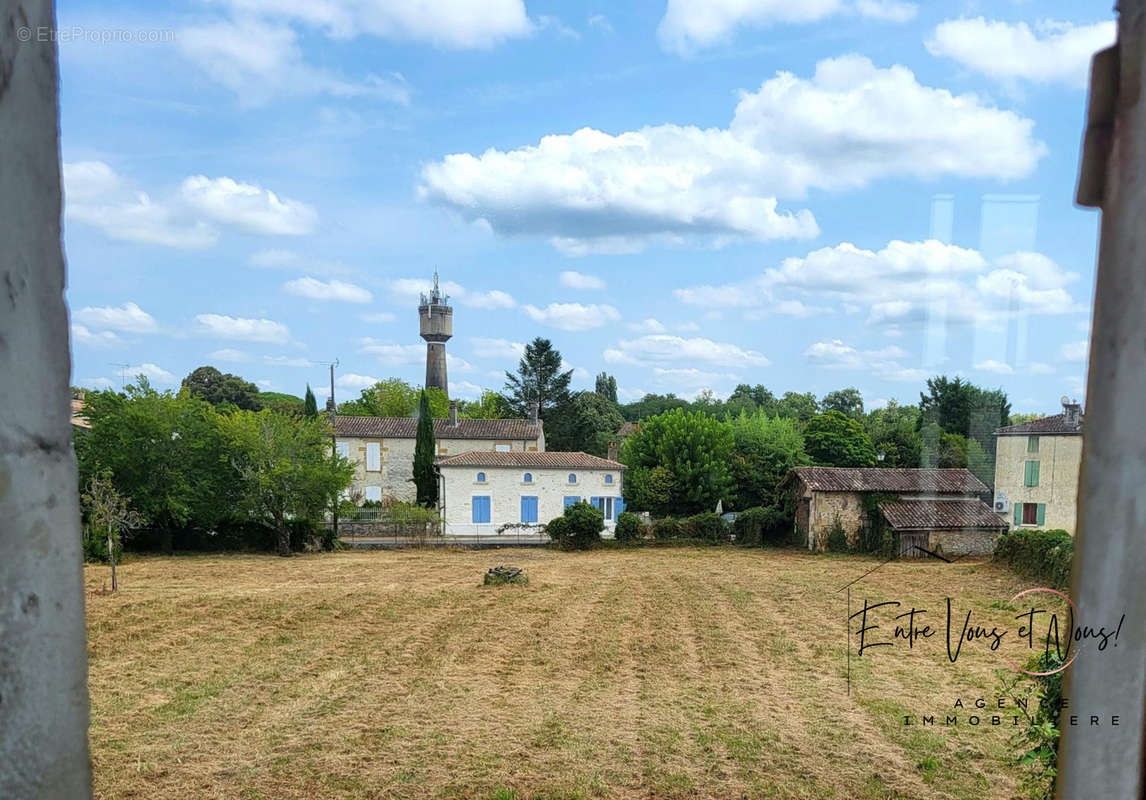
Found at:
(667, 673)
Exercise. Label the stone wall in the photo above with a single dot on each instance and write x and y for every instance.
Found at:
(826, 508)
(1060, 459)
(959, 541)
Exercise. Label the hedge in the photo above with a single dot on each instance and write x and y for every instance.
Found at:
(756, 527)
(1042, 555)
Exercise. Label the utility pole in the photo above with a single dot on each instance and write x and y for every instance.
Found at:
(122, 373)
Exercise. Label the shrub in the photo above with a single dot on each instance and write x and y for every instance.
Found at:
(668, 528)
(1043, 555)
(708, 527)
(95, 546)
(755, 527)
(579, 528)
(628, 528)
(837, 538)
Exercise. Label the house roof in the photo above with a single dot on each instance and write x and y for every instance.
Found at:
(1043, 426)
(407, 428)
(550, 459)
(628, 429)
(887, 479)
(78, 418)
(914, 515)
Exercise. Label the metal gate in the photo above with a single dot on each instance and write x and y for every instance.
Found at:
(909, 544)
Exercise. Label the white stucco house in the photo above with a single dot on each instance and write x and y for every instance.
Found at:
(382, 448)
(482, 491)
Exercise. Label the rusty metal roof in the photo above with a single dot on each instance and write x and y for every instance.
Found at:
(551, 459)
(914, 515)
(407, 428)
(881, 479)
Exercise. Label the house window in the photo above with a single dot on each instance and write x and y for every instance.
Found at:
(373, 494)
(608, 479)
(481, 477)
(528, 509)
(343, 449)
(1032, 444)
(373, 456)
(605, 505)
(1031, 473)
(572, 477)
(527, 477)
(1030, 513)
(571, 501)
(480, 506)
(501, 448)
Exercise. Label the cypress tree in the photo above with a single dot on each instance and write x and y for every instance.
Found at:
(425, 480)
(309, 404)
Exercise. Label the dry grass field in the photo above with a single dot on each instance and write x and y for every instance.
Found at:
(666, 673)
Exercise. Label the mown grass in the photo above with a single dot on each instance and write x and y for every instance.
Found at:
(667, 673)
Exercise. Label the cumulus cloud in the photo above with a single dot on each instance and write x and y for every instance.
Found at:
(1050, 52)
(496, 348)
(648, 325)
(659, 349)
(883, 362)
(287, 361)
(352, 380)
(128, 318)
(221, 326)
(81, 334)
(153, 372)
(573, 316)
(188, 219)
(391, 354)
(690, 377)
(849, 124)
(997, 367)
(413, 287)
(229, 354)
(1075, 351)
(315, 289)
(571, 279)
(690, 25)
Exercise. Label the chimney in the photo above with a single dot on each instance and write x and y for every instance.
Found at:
(534, 410)
(453, 413)
(612, 455)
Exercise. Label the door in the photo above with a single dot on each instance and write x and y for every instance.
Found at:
(909, 544)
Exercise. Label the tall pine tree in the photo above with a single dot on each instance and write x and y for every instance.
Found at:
(425, 479)
(309, 404)
(539, 379)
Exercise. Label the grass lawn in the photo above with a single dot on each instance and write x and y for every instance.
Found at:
(667, 673)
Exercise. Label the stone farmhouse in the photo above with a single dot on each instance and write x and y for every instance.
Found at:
(1036, 470)
(382, 448)
(482, 491)
(925, 508)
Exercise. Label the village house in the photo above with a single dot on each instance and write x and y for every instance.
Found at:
(928, 508)
(1036, 470)
(483, 492)
(382, 448)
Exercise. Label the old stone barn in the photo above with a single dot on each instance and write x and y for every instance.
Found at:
(924, 508)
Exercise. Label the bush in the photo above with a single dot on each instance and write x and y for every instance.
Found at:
(755, 527)
(628, 528)
(1043, 555)
(579, 528)
(668, 528)
(838, 538)
(708, 527)
(95, 547)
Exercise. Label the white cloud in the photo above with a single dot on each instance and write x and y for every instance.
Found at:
(848, 125)
(690, 377)
(248, 206)
(378, 317)
(571, 279)
(458, 364)
(331, 290)
(153, 372)
(97, 196)
(275, 258)
(222, 326)
(229, 354)
(82, 335)
(496, 348)
(657, 349)
(413, 287)
(547, 22)
(1051, 52)
(998, 367)
(390, 354)
(629, 395)
(351, 380)
(287, 361)
(884, 362)
(97, 383)
(491, 299)
(601, 23)
(689, 25)
(1075, 351)
(466, 390)
(648, 325)
(573, 316)
(259, 60)
(129, 318)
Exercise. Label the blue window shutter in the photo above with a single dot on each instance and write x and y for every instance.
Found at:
(480, 509)
(1018, 513)
(620, 505)
(1042, 514)
(528, 509)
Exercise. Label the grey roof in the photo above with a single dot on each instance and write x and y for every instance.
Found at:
(888, 479)
(918, 515)
(407, 428)
(1053, 425)
(537, 460)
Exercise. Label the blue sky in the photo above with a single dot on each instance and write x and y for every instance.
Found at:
(687, 195)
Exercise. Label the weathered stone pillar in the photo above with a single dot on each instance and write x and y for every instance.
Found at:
(43, 658)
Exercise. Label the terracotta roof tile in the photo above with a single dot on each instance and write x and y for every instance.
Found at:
(907, 515)
(888, 479)
(407, 428)
(552, 459)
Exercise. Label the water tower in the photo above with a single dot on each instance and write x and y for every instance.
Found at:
(436, 320)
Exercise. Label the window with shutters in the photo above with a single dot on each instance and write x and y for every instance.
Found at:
(528, 509)
(1032, 444)
(1031, 473)
(480, 506)
(1030, 513)
(373, 456)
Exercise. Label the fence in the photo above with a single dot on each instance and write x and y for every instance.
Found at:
(376, 531)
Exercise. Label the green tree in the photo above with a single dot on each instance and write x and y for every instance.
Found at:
(682, 454)
(425, 478)
(394, 397)
(309, 404)
(588, 422)
(894, 431)
(286, 469)
(750, 399)
(109, 514)
(848, 402)
(801, 407)
(943, 449)
(606, 386)
(960, 407)
(539, 379)
(282, 403)
(835, 440)
(765, 450)
(222, 389)
(652, 404)
(490, 405)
